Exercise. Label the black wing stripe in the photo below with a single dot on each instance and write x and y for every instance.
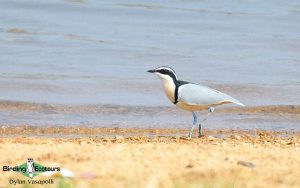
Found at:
(176, 94)
(178, 83)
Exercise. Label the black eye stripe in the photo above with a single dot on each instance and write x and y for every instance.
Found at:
(164, 71)
(167, 72)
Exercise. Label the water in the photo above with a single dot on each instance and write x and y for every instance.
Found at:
(80, 52)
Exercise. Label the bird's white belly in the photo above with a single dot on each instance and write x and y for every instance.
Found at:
(188, 107)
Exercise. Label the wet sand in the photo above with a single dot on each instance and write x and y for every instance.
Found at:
(24, 114)
(112, 159)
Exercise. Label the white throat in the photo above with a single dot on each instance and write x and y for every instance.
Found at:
(168, 84)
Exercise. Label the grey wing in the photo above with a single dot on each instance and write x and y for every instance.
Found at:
(194, 94)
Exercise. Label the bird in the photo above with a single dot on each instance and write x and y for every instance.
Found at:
(191, 96)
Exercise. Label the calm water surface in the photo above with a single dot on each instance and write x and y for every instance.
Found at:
(97, 52)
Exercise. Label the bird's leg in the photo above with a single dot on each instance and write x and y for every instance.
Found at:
(210, 111)
(200, 131)
(194, 123)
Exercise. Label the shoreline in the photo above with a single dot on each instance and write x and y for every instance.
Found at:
(107, 132)
(17, 106)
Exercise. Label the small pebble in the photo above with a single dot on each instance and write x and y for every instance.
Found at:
(189, 166)
(246, 164)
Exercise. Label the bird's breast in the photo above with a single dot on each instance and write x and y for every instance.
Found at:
(169, 89)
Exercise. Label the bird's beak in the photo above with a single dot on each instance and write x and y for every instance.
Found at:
(151, 71)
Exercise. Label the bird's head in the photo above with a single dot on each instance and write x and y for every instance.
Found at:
(164, 73)
(29, 161)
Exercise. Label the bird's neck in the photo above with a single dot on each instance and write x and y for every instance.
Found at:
(169, 85)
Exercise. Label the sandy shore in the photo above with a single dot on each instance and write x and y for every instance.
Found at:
(233, 159)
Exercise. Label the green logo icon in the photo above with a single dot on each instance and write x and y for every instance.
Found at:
(30, 169)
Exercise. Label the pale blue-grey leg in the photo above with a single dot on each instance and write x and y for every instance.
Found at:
(194, 123)
(210, 111)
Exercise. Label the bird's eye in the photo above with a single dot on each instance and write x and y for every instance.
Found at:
(162, 71)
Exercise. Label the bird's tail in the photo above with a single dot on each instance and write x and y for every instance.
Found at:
(234, 101)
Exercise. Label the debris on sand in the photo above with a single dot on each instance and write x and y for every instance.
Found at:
(246, 164)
